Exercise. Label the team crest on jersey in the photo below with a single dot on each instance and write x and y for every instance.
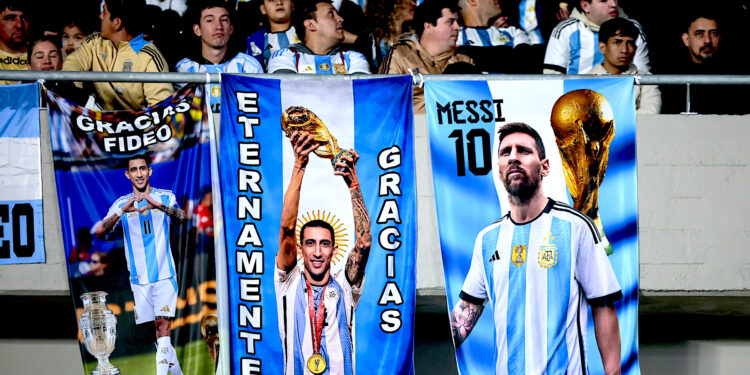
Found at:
(518, 256)
(547, 255)
(339, 68)
(324, 67)
(127, 66)
(503, 37)
(216, 91)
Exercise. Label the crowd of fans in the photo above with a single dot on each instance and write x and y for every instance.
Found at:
(381, 36)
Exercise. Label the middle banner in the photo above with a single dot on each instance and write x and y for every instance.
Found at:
(319, 205)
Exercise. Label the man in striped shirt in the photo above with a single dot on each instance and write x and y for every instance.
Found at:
(146, 214)
(316, 307)
(573, 47)
(322, 30)
(538, 267)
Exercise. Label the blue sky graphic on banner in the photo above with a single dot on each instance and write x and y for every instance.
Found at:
(463, 118)
(21, 224)
(256, 161)
(147, 247)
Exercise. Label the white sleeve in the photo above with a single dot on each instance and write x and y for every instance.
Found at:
(283, 278)
(112, 209)
(519, 36)
(173, 200)
(592, 268)
(251, 65)
(640, 60)
(475, 284)
(283, 59)
(358, 63)
(557, 57)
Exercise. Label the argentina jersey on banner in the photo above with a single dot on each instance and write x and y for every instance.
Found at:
(347, 305)
(533, 320)
(22, 230)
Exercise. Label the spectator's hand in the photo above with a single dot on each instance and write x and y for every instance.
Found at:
(501, 22)
(563, 13)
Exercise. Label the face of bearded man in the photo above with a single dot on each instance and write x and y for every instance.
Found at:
(520, 166)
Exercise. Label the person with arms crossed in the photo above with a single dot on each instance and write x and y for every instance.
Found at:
(312, 296)
(547, 254)
(322, 31)
(146, 214)
(213, 24)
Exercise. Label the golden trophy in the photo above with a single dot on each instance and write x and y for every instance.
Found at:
(210, 333)
(304, 120)
(584, 127)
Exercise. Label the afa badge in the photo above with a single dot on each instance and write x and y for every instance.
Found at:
(324, 67)
(127, 66)
(339, 68)
(547, 255)
(216, 91)
(518, 256)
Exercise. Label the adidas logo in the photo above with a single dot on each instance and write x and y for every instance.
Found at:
(495, 256)
(164, 362)
(165, 309)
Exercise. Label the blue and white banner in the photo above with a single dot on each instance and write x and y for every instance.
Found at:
(256, 160)
(21, 224)
(463, 121)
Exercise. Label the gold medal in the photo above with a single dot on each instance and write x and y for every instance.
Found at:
(316, 364)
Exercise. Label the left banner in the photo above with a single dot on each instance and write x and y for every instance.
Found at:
(21, 224)
(134, 189)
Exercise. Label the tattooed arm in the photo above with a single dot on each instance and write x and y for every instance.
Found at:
(106, 225)
(463, 319)
(173, 212)
(346, 167)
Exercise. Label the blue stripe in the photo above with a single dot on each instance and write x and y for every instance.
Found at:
(174, 283)
(299, 326)
(283, 40)
(598, 57)
(19, 114)
(516, 315)
(165, 201)
(149, 248)
(575, 52)
(484, 36)
(558, 280)
(126, 230)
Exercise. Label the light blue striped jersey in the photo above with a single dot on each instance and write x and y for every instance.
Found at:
(337, 342)
(241, 63)
(529, 19)
(262, 44)
(573, 48)
(147, 248)
(300, 59)
(491, 36)
(537, 277)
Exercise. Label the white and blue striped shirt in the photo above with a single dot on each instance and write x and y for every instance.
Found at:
(573, 48)
(241, 63)
(147, 248)
(337, 342)
(537, 277)
(300, 59)
(491, 36)
(262, 44)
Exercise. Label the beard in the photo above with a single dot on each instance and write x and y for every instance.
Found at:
(521, 191)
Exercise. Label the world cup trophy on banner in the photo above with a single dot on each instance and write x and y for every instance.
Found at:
(99, 329)
(304, 120)
(584, 127)
(210, 334)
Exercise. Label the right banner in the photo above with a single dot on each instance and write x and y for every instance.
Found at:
(526, 306)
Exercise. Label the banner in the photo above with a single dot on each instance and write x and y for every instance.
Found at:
(21, 224)
(463, 121)
(134, 189)
(372, 117)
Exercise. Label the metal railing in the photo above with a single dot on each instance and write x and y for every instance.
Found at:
(174, 77)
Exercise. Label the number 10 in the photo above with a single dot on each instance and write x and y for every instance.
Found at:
(486, 155)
